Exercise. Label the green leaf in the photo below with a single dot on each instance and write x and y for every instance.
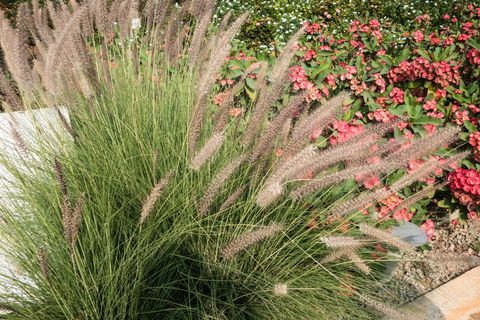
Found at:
(474, 43)
(470, 127)
(251, 94)
(427, 120)
(250, 83)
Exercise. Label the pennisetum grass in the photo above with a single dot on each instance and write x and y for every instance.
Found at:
(109, 255)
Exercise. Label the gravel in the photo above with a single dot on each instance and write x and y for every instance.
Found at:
(454, 251)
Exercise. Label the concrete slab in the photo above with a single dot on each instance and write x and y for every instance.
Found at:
(41, 127)
(458, 299)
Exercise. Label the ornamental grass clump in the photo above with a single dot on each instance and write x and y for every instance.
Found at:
(159, 205)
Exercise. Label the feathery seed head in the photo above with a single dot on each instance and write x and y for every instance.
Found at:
(248, 239)
(280, 289)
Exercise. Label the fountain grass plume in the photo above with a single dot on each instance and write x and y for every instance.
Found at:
(226, 241)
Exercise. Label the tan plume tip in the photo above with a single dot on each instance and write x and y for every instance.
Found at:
(59, 175)
(248, 239)
(280, 289)
(67, 219)
(209, 149)
(341, 242)
(153, 197)
(386, 237)
(217, 183)
(459, 259)
(335, 255)
(269, 194)
(43, 262)
(357, 261)
(19, 141)
(76, 219)
(381, 307)
(232, 198)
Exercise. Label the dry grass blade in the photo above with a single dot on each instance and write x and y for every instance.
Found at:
(330, 179)
(65, 123)
(67, 214)
(335, 255)
(359, 202)
(426, 169)
(410, 201)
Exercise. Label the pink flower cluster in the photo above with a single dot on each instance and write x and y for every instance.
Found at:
(441, 72)
(381, 115)
(299, 78)
(429, 228)
(467, 180)
(397, 95)
(300, 82)
(389, 205)
(474, 141)
(311, 28)
(372, 28)
(473, 56)
(345, 131)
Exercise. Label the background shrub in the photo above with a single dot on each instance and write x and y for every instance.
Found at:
(426, 72)
(272, 22)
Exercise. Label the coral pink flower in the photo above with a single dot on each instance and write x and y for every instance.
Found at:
(472, 215)
(331, 80)
(460, 116)
(235, 112)
(430, 128)
(279, 152)
(473, 56)
(414, 164)
(310, 54)
(429, 228)
(374, 24)
(474, 108)
(448, 41)
(350, 71)
(434, 39)
(474, 139)
(381, 115)
(397, 95)
(380, 82)
(418, 36)
(440, 93)
(369, 181)
(430, 105)
(403, 215)
(219, 98)
(345, 131)
(311, 28)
